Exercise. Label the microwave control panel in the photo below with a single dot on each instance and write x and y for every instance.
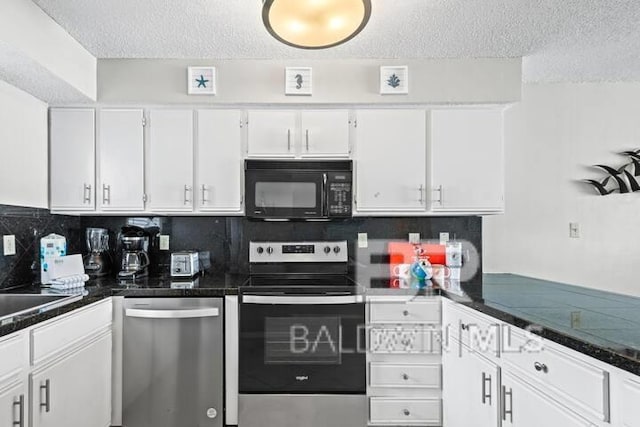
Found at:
(339, 197)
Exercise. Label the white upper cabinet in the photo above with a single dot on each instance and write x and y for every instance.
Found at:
(170, 160)
(219, 161)
(271, 133)
(121, 160)
(72, 159)
(467, 167)
(390, 161)
(309, 133)
(324, 133)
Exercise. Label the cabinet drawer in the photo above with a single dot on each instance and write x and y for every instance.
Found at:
(12, 354)
(405, 312)
(53, 338)
(405, 339)
(404, 375)
(630, 409)
(404, 411)
(478, 332)
(570, 378)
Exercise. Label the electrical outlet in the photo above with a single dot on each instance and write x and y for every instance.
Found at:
(574, 230)
(444, 238)
(414, 238)
(576, 319)
(164, 242)
(9, 244)
(363, 241)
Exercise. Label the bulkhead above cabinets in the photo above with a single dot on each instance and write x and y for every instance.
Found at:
(407, 162)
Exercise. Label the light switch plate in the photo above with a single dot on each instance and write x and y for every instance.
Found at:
(9, 244)
(414, 238)
(363, 240)
(164, 242)
(444, 238)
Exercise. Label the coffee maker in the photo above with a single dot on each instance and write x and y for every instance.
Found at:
(135, 252)
(98, 262)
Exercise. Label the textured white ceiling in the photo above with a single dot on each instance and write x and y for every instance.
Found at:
(561, 40)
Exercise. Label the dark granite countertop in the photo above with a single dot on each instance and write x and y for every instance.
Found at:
(599, 324)
(603, 325)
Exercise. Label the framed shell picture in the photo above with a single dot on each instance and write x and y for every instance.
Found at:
(201, 81)
(297, 81)
(394, 80)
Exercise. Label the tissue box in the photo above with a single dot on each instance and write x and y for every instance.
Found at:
(51, 247)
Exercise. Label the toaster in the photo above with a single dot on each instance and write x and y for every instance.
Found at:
(184, 264)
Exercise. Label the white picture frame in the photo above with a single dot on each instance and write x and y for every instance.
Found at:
(201, 80)
(298, 81)
(394, 80)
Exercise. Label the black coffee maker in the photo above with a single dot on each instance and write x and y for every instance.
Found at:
(134, 249)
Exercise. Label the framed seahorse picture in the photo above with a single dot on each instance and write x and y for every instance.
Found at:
(201, 80)
(297, 81)
(394, 80)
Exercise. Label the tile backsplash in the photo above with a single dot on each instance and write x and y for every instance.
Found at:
(28, 225)
(226, 238)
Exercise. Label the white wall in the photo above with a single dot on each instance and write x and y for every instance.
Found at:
(31, 37)
(357, 81)
(551, 138)
(23, 149)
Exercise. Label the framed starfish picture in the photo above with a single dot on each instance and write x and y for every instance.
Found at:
(394, 80)
(201, 81)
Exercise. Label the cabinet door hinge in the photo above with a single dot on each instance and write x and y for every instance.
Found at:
(144, 198)
(144, 121)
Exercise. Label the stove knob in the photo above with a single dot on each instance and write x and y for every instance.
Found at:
(260, 249)
(327, 249)
(269, 250)
(336, 249)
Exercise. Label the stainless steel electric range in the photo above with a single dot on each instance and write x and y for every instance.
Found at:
(301, 338)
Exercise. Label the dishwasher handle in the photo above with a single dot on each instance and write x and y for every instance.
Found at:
(190, 313)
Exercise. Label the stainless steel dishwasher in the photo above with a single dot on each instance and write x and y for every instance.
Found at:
(173, 362)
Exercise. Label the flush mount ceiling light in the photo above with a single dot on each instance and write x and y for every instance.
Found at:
(315, 24)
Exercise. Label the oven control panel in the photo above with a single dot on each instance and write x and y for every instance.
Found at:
(332, 251)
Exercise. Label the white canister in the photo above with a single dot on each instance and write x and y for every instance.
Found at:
(52, 246)
(453, 254)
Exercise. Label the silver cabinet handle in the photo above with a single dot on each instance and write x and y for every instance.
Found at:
(486, 391)
(187, 190)
(421, 190)
(20, 405)
(203, 188)
(288, 139)
(172, 314)
(106, 194)
(440, 190)
(506, 411)
(541, 367)
(87, 194)
(307, 138)
(300, 300)
(406, 412)
(47, 396)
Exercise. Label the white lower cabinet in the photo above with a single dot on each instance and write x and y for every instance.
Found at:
(13, 405)
(525, 406)
(472, 379)
(74, 391)
(404, 367)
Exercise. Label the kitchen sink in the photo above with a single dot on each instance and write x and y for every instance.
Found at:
(12, 305)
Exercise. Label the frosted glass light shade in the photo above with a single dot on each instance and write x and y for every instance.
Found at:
(315, 24)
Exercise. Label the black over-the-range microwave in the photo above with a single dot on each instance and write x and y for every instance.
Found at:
(298, 189)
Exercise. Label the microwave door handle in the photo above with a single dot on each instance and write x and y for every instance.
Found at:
(325, 197)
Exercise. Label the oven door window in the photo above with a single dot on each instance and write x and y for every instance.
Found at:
(302, 348)
(284, 194)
